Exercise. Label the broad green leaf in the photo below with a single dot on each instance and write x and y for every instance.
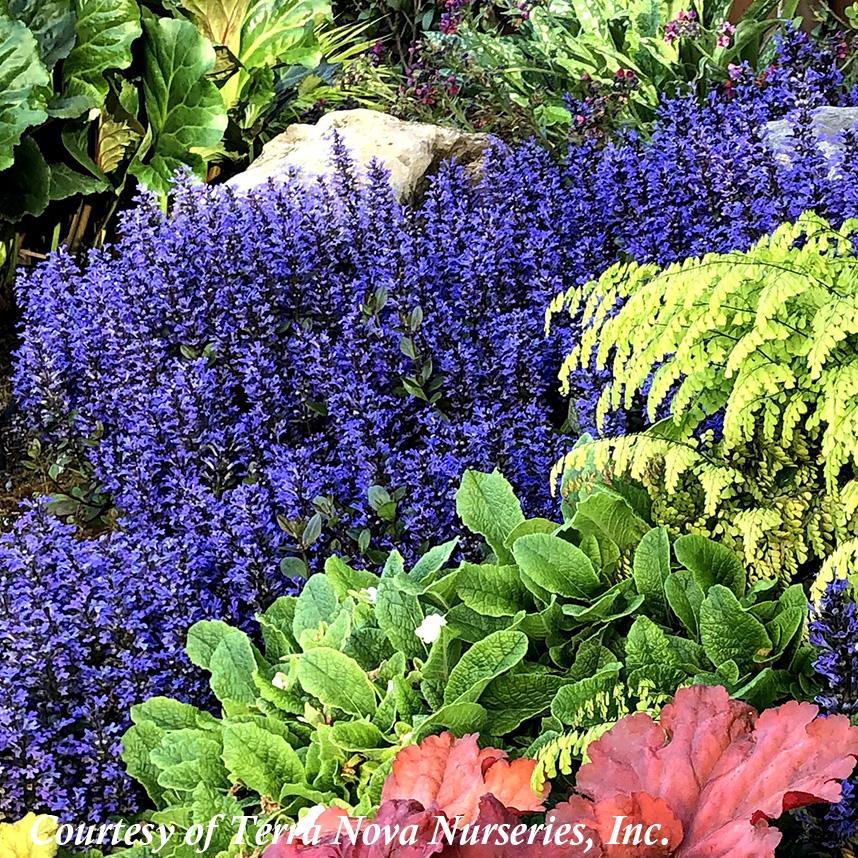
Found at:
(684, 596)
(573, 704)
(711, 563)
(137, 744)
(105, 30)
(51, 22)
(487, 505)
(472, 626)
(484, 661)
(433, 560)
(316, 604)
(184, 109)
(343, 578)
(232, 666)
(648, 644)
(728, 631)
(610, 514)
(24, 83)
(459, 717)
(204, 638)
(168, 714)
(220, 21)
(531, 525)
(399, 614)
(189, 757)
(25, 188)
(516, 697)
(358, 736)
(66, 182)
(651, 568)
(368, 647)
(115, 140)
(277, 32)
(337, 680)
(495, 591)
(556, 565)
(261, 760)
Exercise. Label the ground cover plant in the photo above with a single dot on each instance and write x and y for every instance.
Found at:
(242, 387)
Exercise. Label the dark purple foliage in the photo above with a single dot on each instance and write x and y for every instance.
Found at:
(252, 363)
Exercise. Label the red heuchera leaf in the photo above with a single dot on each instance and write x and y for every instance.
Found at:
(713, 772)
(452, 775)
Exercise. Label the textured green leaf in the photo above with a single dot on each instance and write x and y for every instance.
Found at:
(368, 647)
(337, 681)
(278, 33)
(531, 525)
(220, 21)
(168, 714)
(261, 760)
(608, 513)
(728, 631)
(484, 661)
(51, 22)
(648, 644)
(684, 596)
(487, 505)
(556, 565)
(105, 30)
(317, 604)
(26, 186)
(516, 697)
(495, 591)
(460, 718)
(137, 744)
(232, 666)
(184, 109)
(23, 86)
(399, 615)
(433, 560)
(711, 563)
(204, 638)
(651, 568)
(343, 578)
(472, 626)
(66, 182)
(573, 704)
(189, 757)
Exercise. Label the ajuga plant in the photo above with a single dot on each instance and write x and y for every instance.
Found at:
(538, 636)
(763, 339)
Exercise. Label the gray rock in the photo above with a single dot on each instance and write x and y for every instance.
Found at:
(410, 150)
(828, 123)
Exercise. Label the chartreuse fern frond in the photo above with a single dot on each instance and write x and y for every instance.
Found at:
(768, 340)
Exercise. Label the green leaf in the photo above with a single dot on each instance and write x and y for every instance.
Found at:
(220, 21)
(232, 666)
(647, 644)
(343, 578)
(487, 505)
(556, 565)
(651, 568)
(317, 604)
(684, 596)
(204, 638)
(573, 704)
(711, 563)
(495, 591)
(608, 513)
(261, 760)
(337, 680)
(23, 86)
(368, 647)
(472, 626)
(137, 744)
(275, 33)
(531, 525)
(168, 714)
(728, 631)
(460, 718)
(184, 109)
(66, 182)
(399, 614)
(105, 30)
(189, 757)
(25, 187)
(484, 661)
(51, 22)
(517, 697)
(433, 560)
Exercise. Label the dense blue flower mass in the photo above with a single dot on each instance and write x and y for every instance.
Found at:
(311, 369)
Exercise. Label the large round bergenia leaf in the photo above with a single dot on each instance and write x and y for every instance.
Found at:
(24, 83)
(220, 21)
(52, 24)
(184, 110)
(278, 33)
(105, 31)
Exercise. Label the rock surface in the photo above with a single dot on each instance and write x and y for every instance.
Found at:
(828, 123)
(410, 150)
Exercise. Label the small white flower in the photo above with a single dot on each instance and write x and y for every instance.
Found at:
(430, 629)
(94, 113)
(371, 594)
(307, 823)
(279, 680)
